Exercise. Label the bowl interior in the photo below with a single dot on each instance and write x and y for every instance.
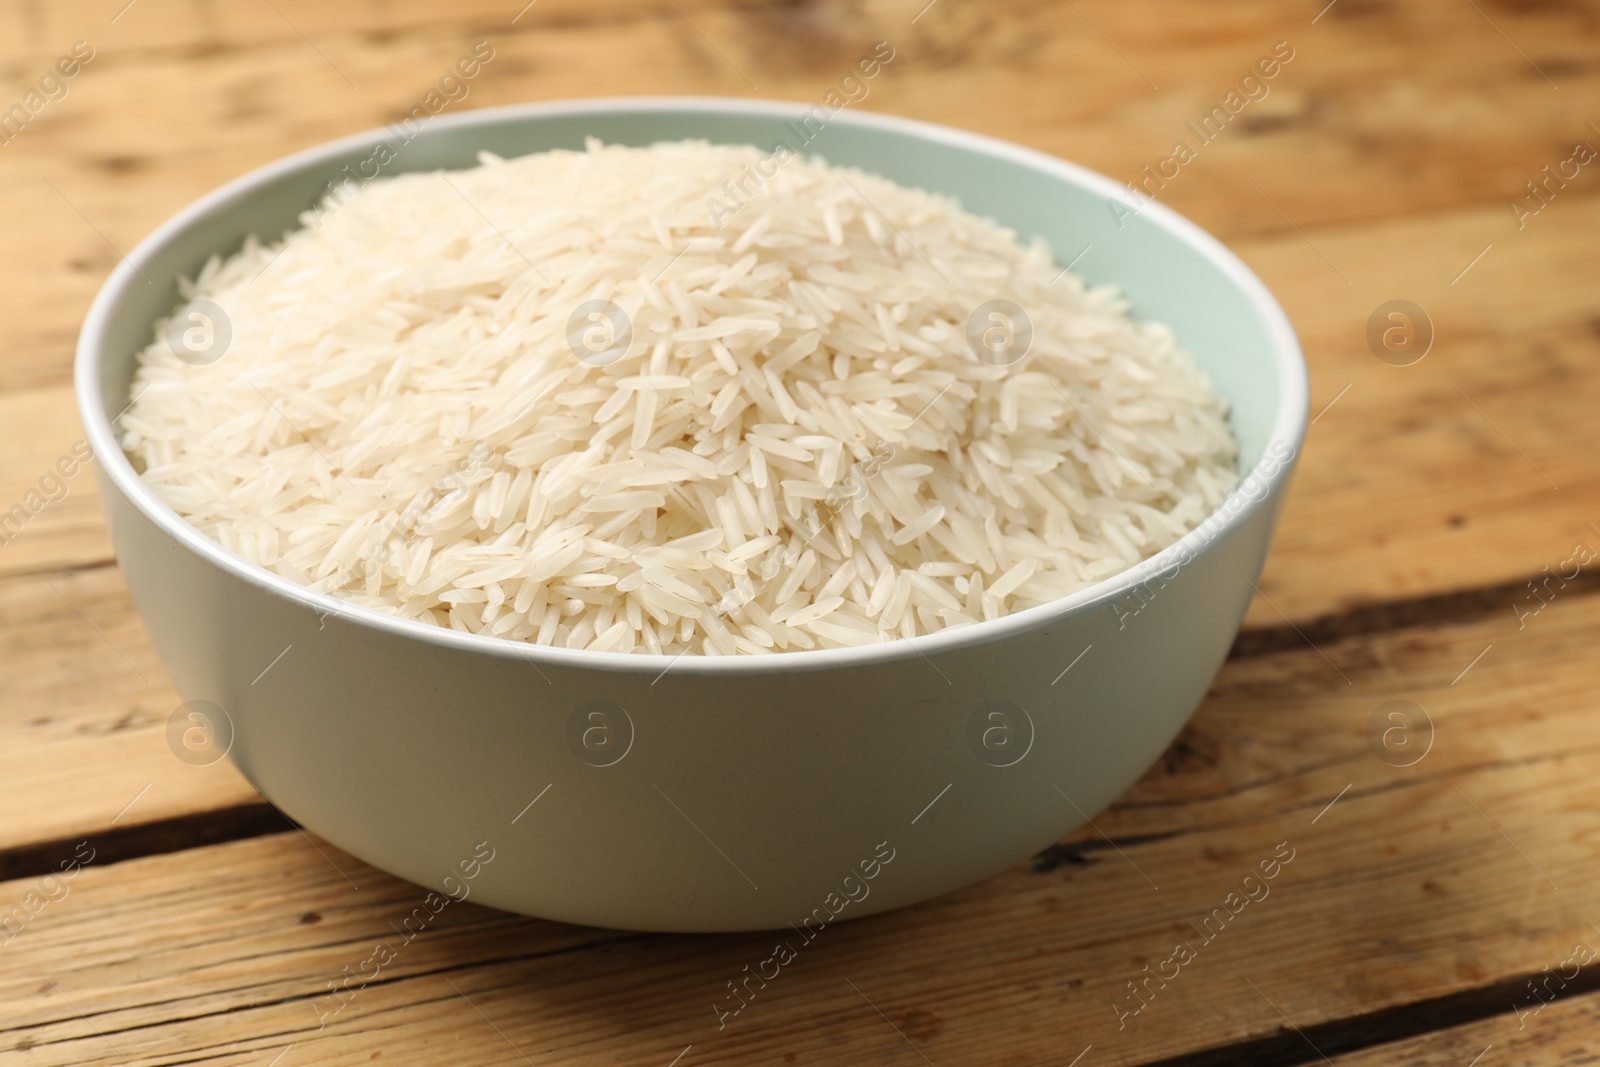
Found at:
(1169, 269)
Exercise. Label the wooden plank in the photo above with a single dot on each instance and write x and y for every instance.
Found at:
(1462, 490)
(83, 719)
(1195, 57)
(1442, 530)
(1418, 893)
(84, 706)
(44, 472)
(1538, 1028)
(1441, 475)
(184, 26)
(158, 143)
(1462, 871)
(1420, 897)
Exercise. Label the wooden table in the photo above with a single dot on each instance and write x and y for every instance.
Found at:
(1438, 906)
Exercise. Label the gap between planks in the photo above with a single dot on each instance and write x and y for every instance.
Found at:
(1407, 613)
(1315, 1043)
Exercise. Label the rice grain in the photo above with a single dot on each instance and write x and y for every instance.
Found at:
(798, 448)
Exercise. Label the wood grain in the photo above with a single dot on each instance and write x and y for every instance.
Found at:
(1458, 872)
(44, 440)
(184, 96)
(1462, 489)
(1464, 871)
(1538, 1028)
(84, 706)
(1458, 454)
(1422, 898)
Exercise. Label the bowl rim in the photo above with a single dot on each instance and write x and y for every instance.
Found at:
(1289, 421)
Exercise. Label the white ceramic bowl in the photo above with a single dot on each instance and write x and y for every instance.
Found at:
(699, 794)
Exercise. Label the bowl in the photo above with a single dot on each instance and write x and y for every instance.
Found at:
(698, 793)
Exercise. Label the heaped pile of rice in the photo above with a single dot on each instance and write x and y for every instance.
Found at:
(800, 448)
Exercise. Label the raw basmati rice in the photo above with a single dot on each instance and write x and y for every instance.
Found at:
(798, 447)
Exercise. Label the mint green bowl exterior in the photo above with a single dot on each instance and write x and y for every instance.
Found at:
(747, 789)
